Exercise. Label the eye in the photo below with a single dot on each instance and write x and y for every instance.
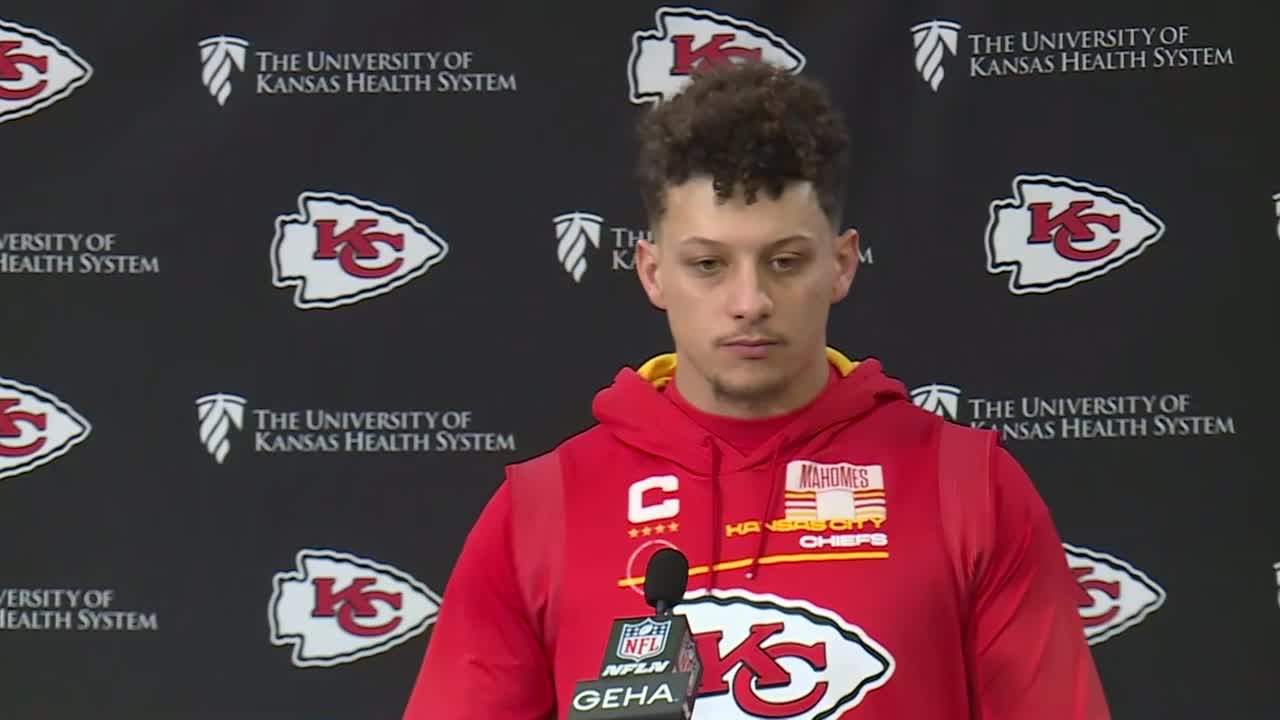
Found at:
(706, 265)
(784, 263)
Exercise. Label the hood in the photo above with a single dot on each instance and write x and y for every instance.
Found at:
(635, 412)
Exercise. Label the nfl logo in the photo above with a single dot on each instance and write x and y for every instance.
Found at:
(643, 640)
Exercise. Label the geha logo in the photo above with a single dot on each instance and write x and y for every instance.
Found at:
(1056, 232)
(339, 250)
(1114, 595)
(338, 608)
(36, 71)
(35, 428)
(663, 59)
(770, 657)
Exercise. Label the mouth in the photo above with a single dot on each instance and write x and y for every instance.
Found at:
(750, 342)
(750, 348)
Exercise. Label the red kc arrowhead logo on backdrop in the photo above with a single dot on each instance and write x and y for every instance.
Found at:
(338, 608)
(340, 250)
(662, 60)
(36, 71)
(1113, 595)
(1056, 232)
(35, 428)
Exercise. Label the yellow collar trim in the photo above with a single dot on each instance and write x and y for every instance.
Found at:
(660, 369)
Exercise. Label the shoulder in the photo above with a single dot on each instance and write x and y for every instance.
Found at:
(548, 467)
(903, 424)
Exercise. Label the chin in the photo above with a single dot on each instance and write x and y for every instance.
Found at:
(749, 383)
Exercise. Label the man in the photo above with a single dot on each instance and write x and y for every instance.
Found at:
(852, 556)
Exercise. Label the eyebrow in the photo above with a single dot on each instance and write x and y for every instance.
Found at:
(698, 240)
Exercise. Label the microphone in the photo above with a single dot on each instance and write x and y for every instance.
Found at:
(651, 667)
(665, 580)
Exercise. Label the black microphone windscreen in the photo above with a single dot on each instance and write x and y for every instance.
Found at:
(666, 578)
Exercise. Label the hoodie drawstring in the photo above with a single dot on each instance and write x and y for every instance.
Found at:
(716, 519)
(770, 502)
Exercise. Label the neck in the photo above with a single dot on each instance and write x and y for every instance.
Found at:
(800, 391)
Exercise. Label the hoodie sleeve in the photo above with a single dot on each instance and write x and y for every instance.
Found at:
(483, 659)
(1026, 640)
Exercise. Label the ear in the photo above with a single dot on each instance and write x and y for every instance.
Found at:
(648, 257)
(846, 259)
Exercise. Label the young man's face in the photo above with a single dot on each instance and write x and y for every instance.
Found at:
(747, 287)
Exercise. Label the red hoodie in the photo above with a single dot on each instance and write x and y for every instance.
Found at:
(868, 561)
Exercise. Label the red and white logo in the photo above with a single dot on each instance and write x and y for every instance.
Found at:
(662, 60)
(36, 71)
(339, 608)
(1056, 232)
(1114, 595)
(35, 428)
(340, 250)
(769, 657)
(835, 491)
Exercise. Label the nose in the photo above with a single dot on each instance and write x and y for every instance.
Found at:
(749, 299)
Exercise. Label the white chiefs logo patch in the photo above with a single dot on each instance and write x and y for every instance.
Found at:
(768, 657)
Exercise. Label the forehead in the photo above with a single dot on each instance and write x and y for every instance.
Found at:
(693, 210)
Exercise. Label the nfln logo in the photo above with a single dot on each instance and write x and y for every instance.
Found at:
(338, 608)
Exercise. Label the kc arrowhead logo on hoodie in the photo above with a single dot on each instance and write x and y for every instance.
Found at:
(769, 657)
(1056, 232)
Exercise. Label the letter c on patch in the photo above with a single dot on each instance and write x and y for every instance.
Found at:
(638, 512)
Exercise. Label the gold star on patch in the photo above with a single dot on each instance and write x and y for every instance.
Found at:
(659, 529)
(633, 533)
(673, 526)
(646, 531)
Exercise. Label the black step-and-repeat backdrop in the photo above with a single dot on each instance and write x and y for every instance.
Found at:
(284, 287)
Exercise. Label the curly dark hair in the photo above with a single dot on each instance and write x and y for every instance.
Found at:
(748, 125)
